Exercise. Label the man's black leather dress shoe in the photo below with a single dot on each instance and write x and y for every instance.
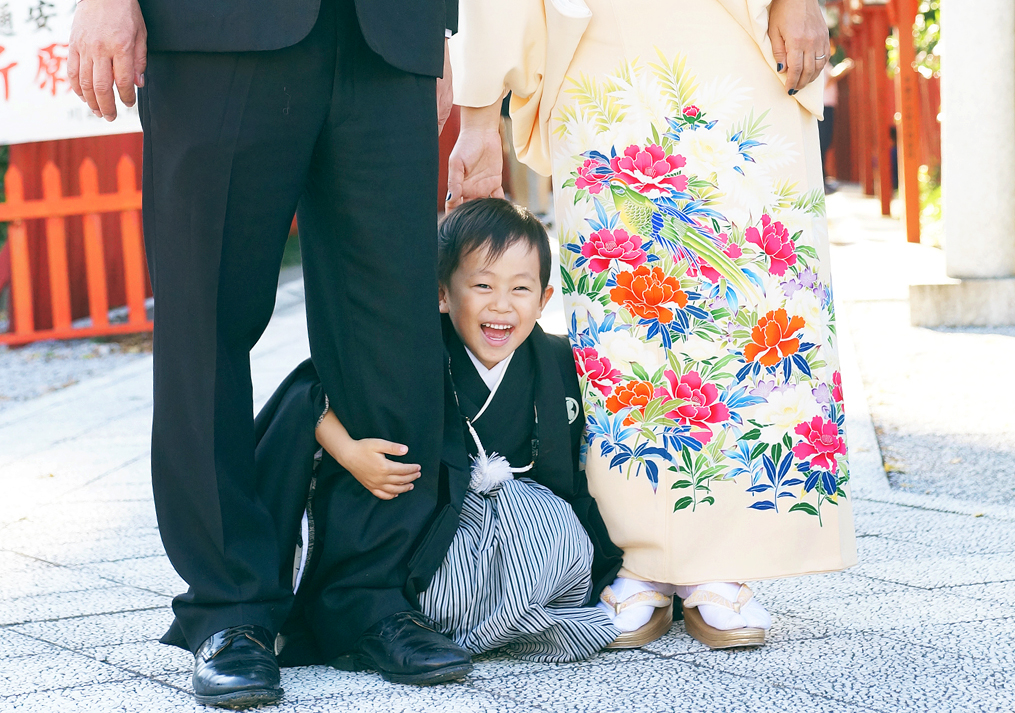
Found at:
(236, 668)
(406, 648)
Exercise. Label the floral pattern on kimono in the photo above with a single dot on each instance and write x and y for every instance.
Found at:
(703, 330)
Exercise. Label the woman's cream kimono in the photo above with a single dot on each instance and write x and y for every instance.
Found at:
(690, 207)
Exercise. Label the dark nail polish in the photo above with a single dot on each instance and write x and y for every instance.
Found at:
(779, 67)
(792, 92)
(449, 197)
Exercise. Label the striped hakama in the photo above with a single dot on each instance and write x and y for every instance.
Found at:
(516, 576)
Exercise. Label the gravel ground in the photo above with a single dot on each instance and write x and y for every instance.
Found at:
(940, 399)
(35, 369)
(941, 403)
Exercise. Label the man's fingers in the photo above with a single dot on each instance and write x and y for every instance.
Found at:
(499, 193)
(794, 68)
(124, 75)
(73, 66)
(86, 79)
(102, 85)
(140, 59)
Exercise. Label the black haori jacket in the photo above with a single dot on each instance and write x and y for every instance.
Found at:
(286, 448)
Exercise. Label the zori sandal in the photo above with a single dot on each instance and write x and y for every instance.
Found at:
(718, 638)
(657, 626)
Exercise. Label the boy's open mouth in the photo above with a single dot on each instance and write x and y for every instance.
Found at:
(496, 333)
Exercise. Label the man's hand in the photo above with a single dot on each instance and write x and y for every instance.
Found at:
(445, 94)
(108, 47)
(366, 459)
(475, 168)
(799, 40)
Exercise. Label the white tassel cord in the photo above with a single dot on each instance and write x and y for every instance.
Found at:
(489, 472)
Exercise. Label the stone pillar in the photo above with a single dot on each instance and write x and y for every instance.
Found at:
(978, 168)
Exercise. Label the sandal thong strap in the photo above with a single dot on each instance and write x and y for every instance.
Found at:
(703, 596)
(647, 596)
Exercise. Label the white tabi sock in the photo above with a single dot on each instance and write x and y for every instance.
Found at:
(636, 616)
(752, 615)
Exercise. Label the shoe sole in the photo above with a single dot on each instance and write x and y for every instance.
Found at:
(428, 678)
(657, 626)
(238, 700)
(717, 638)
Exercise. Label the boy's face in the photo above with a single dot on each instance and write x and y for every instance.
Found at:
(495, 305)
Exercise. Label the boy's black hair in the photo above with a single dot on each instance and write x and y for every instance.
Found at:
(491, 223)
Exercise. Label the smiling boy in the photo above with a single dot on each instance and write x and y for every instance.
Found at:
(516, 548)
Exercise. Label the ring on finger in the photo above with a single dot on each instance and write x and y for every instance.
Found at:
(820, 56)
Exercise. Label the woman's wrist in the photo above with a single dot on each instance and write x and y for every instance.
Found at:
(485, 118)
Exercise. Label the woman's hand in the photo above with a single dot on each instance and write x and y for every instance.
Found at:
(799, 40)
(476, 165)
(366, 459)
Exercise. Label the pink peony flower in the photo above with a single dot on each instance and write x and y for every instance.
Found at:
(588, 176)
(605, 245)
(774, 241)
(691, 111)
(649, 170)
(702, 405)
(596, 369)
(822, 442)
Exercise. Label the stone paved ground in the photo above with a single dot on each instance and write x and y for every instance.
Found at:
(924, 622)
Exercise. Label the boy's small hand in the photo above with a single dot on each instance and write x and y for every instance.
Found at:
(384, 478)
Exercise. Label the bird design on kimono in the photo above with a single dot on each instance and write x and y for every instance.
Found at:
(664, 220)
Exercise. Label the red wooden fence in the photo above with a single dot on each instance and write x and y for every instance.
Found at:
(54, 207)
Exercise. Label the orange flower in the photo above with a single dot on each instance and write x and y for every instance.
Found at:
(772, 338)
(645, 291)
(633, 393)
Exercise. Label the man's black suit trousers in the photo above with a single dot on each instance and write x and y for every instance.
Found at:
(233, 143)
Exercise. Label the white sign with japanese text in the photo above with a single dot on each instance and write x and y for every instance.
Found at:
(36, 103)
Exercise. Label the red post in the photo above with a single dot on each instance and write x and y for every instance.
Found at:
(95, 262)
(133, 251)
(21, 272)
(908, 92)
(56, 247)
(883, 119)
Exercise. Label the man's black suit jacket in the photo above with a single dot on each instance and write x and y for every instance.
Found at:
(408, 34)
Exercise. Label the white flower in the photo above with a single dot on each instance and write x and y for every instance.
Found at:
(622, 348)
(708, 151)
(644, 100)
(796, 220)
(582, 306)
(785, 409)
(805, 304)
(721, 98)
(697, 348)
(748, 195)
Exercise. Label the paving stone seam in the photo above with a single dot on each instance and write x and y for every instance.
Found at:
(58, 496)
(84, 432)
(132, 610)
(133, 677)
(777, 686)
(60, 398)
